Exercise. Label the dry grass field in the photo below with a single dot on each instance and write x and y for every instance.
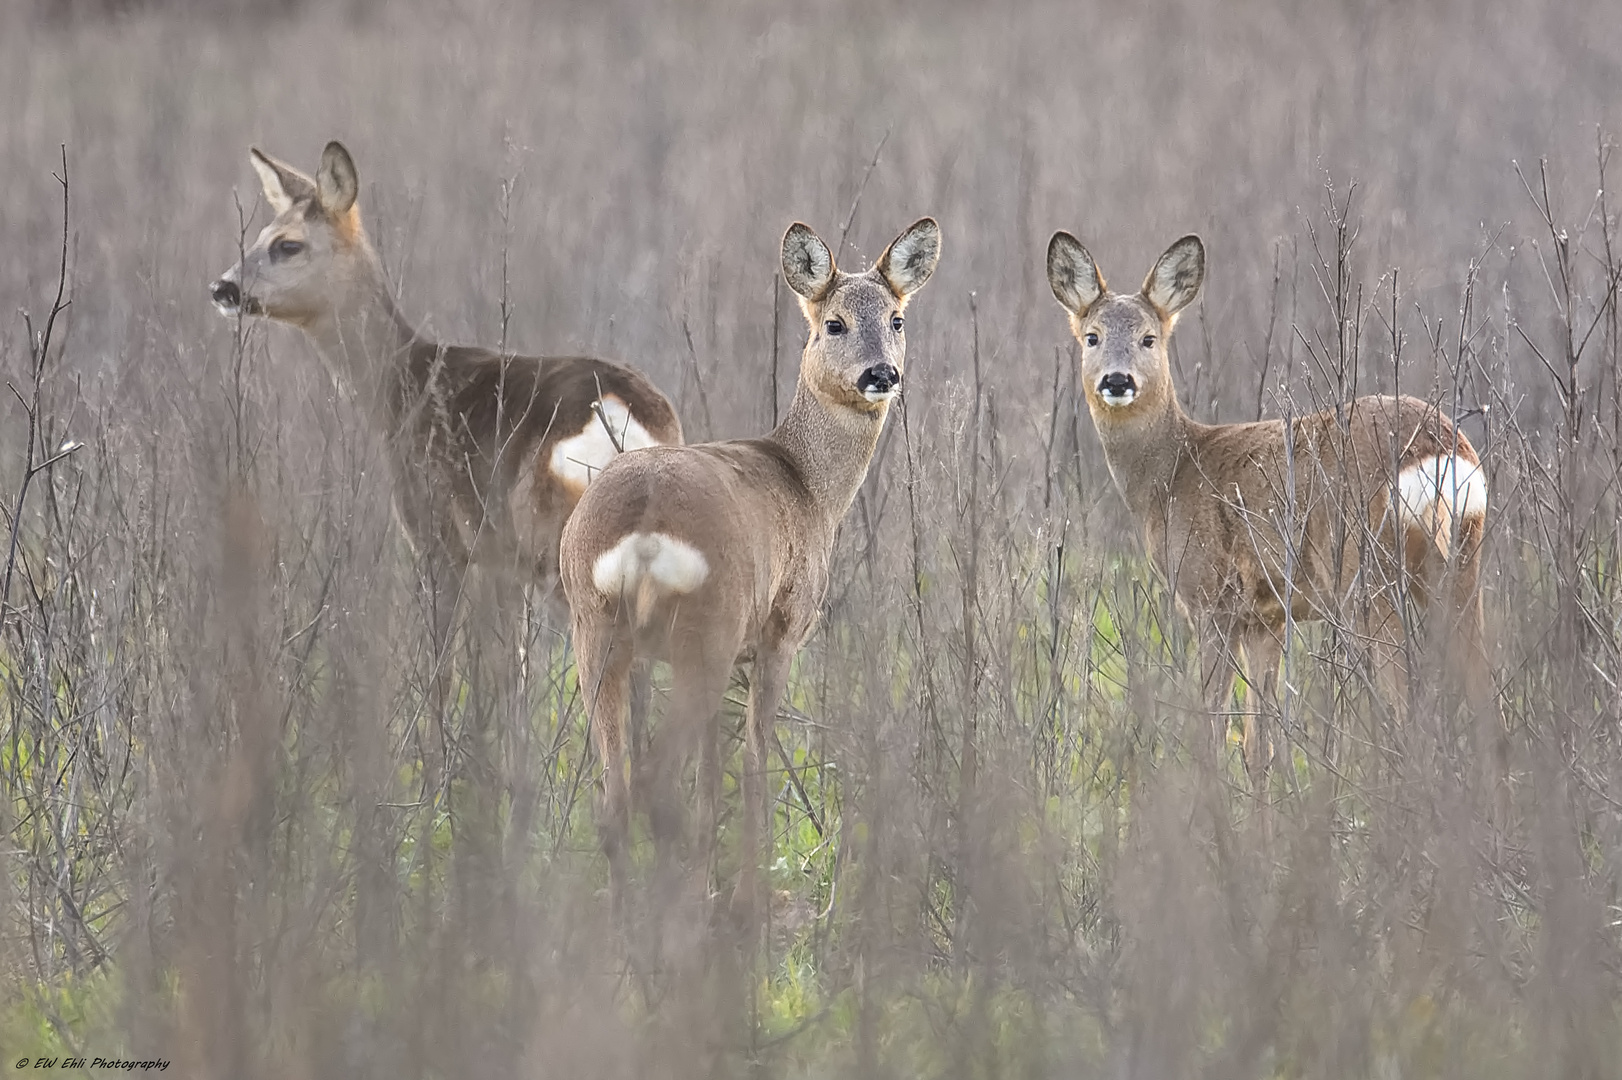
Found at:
(997, 850)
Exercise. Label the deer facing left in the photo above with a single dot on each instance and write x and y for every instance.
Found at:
(488, 452)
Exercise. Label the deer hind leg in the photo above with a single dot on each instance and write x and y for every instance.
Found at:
(700, 670)
(1387, 649)
(641, 709)
(1467, 663)
(768, 679)
(708, 800)
(1466, 647)
(603, 663)
(1469, 668)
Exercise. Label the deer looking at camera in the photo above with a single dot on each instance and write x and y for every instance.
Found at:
(489, 453)
(716, 554)
(1339, 514)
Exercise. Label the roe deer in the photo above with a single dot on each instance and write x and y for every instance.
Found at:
(489, 452)
(715, 554)
(1253, 524)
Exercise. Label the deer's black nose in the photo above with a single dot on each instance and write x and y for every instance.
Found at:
(225, 293)
(879, 379)
(1117, 384)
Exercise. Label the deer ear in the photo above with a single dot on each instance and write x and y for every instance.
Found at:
(336, 181)
(808, 267)
(283, 184)
(911, 257)
(1175, 280)
(1073, 275)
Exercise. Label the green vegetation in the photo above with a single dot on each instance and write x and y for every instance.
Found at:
(217, 741)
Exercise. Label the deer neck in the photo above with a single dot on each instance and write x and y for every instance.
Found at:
(368, 346)
(1143, 451)
(831, 447)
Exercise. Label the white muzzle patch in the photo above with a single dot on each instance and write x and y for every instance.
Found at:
(1117, 388)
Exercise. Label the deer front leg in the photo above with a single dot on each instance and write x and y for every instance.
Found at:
(1263, 650)
(1217, 669)
(441, 583)
(442, 559)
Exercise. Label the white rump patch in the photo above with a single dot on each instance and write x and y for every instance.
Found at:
(675, 566)
(1441, 482)
(578, 459)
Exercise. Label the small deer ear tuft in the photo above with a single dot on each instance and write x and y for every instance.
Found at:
(283, 184)
(911, 257)
(808, 266)
(336, 180)
(1073, 275)
(1175, 280)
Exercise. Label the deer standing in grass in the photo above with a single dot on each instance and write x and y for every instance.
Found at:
(1340, 513)
(717, 554)
(488, 452)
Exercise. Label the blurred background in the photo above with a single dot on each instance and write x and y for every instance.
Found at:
(996, 852)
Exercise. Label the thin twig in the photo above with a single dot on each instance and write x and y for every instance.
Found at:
(850, 218)
(599, 410)
(698, 378)
(39, 348)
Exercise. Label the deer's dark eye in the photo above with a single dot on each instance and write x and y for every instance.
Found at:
(895, 323)
(284, 249)
(835, 327)
(1148, 341)
(1092, 339)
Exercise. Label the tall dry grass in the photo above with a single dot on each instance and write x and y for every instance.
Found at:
(995, 852)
